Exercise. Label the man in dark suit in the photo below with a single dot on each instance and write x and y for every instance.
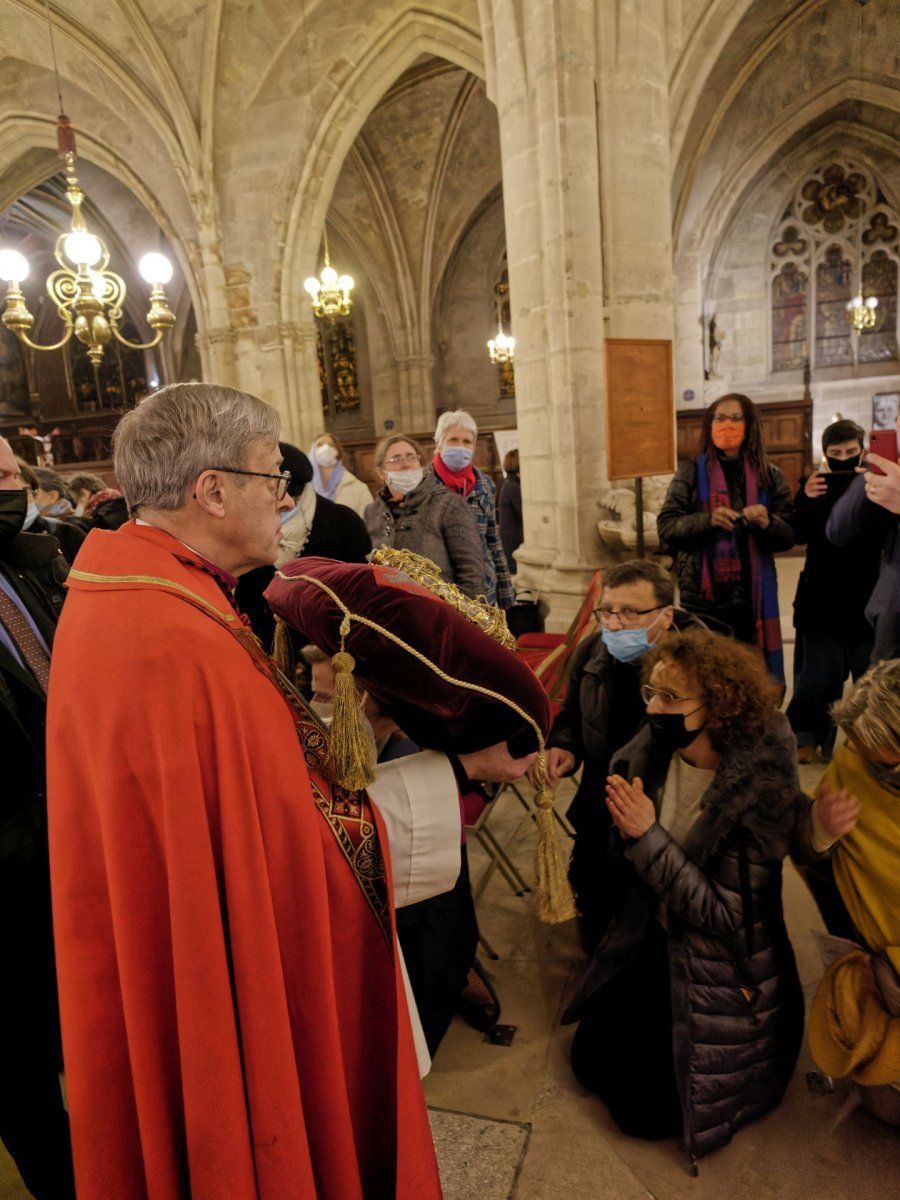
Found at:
(33, 1121)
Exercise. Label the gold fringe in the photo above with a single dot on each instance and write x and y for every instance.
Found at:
(352, 752)
(283, 648)
(554, 900)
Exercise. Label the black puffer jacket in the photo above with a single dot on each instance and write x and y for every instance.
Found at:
(435, 522)
(687, 532)
(737, 1005)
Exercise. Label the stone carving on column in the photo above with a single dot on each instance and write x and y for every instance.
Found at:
(617, 526)
(216, 348)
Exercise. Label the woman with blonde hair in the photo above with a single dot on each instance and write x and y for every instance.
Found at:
(854, 1023)
(332, 479)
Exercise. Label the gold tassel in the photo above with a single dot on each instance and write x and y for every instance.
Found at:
(283, 649)
(352, 751)
(555, 902)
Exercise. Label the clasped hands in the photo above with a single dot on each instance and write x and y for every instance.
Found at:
(629, 805)
(723, 517)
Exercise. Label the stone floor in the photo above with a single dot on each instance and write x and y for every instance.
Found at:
(511, 1122)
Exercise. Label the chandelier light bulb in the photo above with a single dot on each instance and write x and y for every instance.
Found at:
(83, 249)
(345, 283)
(13, 266)
(155, 268)
(98, 284)
(329, 277)
(872, 302)
(311, 285)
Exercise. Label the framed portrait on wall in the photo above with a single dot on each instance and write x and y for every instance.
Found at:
(885, 408)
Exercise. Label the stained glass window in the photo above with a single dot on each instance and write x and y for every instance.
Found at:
(338, 377)
(837, 226)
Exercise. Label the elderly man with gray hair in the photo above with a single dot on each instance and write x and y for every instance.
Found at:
(233, 1005)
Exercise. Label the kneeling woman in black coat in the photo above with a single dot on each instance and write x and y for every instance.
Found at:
(691, 1012)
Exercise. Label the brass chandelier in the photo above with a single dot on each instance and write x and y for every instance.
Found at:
(88, 296)
(501, 348)
(329, 295)
(861, 312)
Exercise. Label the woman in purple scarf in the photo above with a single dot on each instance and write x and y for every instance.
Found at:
(726, 513)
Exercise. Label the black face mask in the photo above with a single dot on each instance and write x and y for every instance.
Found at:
(669, 731)
(13, 507)
(844, 464)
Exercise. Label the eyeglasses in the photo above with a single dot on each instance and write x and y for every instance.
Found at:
(734, 418)
(649, 693)
(625, 615)
(284, 478)
(400, 459)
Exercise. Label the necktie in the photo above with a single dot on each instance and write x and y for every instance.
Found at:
(26, 641)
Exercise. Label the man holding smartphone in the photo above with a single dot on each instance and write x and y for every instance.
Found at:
(871, 507)
(834, 639)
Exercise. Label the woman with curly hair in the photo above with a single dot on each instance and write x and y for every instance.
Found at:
(726, 513)
(691, 1012)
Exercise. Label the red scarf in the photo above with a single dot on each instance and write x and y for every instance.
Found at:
(460, 481)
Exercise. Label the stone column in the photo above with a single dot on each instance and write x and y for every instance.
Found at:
(542, 76)
(416, 375)
(216, 348)
(578, 86)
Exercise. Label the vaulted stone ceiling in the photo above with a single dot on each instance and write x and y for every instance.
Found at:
(214, 108)
(785, 73)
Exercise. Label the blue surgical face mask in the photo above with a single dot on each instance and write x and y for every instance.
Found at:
(31, 514)
(456, 458)
(628, 645)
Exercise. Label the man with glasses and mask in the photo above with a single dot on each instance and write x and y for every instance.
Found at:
(601, 712)
(233, 1003)
(33, 1122)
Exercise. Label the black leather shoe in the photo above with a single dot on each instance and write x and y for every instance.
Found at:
(475, 1011)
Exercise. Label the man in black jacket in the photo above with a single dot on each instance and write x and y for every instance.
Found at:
(603, 711)
(315, 527)
(33, 1122)
(834, 639)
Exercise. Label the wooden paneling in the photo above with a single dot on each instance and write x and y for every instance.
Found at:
(787, 432)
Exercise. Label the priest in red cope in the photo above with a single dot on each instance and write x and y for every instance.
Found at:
(233, 1008)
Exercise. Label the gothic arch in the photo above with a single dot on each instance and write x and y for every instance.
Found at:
(413, 34)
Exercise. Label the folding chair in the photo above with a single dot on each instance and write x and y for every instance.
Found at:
(550, 656)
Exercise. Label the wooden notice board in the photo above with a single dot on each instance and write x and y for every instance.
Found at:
(640, 408)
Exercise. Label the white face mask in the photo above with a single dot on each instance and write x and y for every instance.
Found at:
(404, 481)
(325, 454)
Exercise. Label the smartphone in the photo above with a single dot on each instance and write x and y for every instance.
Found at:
(837, 482)
(883, 442)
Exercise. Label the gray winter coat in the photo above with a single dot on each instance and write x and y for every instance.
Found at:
(737, 1005)
(437, 523)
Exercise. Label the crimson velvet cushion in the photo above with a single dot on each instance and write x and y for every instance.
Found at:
(436, 714)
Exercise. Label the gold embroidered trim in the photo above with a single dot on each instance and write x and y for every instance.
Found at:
(462, 683)
(158, 580)
(364, 859)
